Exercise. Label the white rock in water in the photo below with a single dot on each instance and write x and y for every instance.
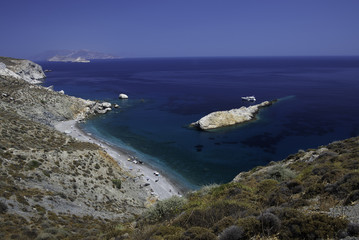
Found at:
(61, 92)
(23, 69)
(228, 118)
(106, 105)
(123, 96)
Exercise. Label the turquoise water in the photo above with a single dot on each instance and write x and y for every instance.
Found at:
(318, 104)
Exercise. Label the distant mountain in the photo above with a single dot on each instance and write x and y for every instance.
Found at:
(71, 56)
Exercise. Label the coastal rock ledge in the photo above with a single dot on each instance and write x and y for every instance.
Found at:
(227, 118)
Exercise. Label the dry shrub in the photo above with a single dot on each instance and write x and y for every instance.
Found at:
(232, 233)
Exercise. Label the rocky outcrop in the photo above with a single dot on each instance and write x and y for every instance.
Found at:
(122, 96)
(21, 69)
(39, 103)
(227, 118)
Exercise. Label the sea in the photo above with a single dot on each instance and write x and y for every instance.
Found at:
(318, 103)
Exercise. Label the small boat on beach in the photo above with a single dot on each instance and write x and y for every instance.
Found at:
(249, 98)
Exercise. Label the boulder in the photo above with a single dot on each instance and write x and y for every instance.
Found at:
(123, 96)
(227, 118)
(106, 105)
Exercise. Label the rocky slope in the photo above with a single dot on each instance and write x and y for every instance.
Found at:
(227, 118)
(51, 185)
(313, 194)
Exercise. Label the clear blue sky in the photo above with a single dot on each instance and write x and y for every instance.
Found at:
(170, 28)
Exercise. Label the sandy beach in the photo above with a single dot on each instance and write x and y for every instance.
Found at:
(156, 183)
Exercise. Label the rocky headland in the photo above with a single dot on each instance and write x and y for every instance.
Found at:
(228, 118)
(21, 69)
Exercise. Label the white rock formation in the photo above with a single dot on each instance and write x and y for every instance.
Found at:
(123, 96)
(106, 105)
(23, 69)
(228, 118)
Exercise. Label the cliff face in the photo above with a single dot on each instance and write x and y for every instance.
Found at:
(21, 69)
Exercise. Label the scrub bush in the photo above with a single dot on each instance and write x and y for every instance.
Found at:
(270, 223)
(164, 209)
(232, 233)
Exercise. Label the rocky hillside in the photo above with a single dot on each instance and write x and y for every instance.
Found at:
(310, 195)
(51, 185)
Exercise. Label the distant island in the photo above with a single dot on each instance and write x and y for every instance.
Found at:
(83, 56)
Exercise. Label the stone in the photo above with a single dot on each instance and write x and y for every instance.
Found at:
(22, 69)
(61, 92)
(227, 118)
(123, 96)
(116, 106)
(106, 105)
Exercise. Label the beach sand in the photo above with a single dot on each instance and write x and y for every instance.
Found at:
(161, 186)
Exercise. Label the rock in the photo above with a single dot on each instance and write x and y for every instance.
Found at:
(21, 69)
(62, 92)
(116, 106)
(227, 118)
(106, 105)
(123, 96)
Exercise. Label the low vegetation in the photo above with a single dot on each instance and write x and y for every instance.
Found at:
(301, 197)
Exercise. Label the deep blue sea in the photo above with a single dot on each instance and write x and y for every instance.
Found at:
(318, 103)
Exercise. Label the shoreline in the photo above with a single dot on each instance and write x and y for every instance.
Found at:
(159, 186)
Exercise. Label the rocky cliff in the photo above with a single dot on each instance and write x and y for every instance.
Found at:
(21, 69)
(227, 118)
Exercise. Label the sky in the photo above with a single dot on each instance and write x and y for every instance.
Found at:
(181, 28)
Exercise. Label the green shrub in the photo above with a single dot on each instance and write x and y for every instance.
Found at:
(270, 223)
(280, 173)
(33, 164)
(353, 229)
(232, 233)
(166, 231)
(250, 226)
(315, 226)
(164, 209)
(208, 216)
(223, 224)
(117, 183)
(3, 207)
(198, 233)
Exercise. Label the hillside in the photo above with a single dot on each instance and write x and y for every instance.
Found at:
(51, 185)
(310, 195)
